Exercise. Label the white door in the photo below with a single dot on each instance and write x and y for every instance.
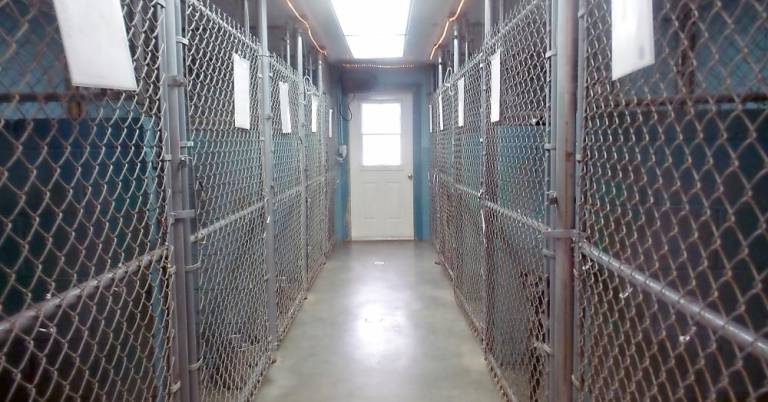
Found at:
(381, 156)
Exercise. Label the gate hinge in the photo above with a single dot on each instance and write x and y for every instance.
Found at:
(183, 214)
(548, 253)
(563, 234)
(543, 347)
(185, 160)
(551, 198)
(176, 81)
(576, 382)
(182, 40)
(194, 267)
(197, 365)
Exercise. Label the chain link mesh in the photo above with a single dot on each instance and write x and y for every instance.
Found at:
(332, 145)
(230, 208)
(489, 184)
(85, 274)
(317, 155)
(290, 236)
(672, 281)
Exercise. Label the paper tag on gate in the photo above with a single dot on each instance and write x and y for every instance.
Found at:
(285, 111)
(241, 75)
(430, 119)
(496, 87)
(95, 44)
(330, 123)
(440, 111)
(631, 36)
(460, 100)
(315, 102)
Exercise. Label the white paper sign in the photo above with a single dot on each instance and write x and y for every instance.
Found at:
(495, 87)
(96, 43)
(315, 102)
(460, 89)
(632, 36)
(440, 111)
(430, 118)
(241, 73)
(330, 123)
(285, 111)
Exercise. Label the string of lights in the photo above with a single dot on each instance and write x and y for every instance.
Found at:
(445, 29)
(306, 24)
(369, 65)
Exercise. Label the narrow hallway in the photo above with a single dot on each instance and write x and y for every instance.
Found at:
(380, 324)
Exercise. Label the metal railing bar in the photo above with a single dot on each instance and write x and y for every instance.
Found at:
(28, 318)
(737, 333)
(203, 233)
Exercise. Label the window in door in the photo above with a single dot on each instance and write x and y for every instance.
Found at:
(381, 132)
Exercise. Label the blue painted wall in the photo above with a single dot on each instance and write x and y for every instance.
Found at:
(415, 80)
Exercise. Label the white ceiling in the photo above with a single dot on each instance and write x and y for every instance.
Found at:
(425, 25)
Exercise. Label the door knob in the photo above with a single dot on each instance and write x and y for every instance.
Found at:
(410, 176)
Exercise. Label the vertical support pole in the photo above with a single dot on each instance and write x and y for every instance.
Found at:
(488, 193)
(566, 67)
(288, 46)
(488, 18)
(467, 36)
(303, 128)
(500, 17)
(299, 53)
(439, 68)
(181, 210)
(266, 118)
(246, 16)
(320, 84)
(311, 68)
(456, 50)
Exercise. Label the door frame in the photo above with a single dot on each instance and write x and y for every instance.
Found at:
(355, 135)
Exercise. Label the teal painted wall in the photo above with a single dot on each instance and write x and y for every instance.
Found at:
(418, 81)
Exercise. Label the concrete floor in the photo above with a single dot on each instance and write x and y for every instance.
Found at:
(380, 324)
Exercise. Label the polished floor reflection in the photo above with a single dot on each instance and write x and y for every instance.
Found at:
(380, 324)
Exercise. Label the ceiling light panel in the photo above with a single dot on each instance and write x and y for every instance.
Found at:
(372, 17)
(374, 28)
(376, 46)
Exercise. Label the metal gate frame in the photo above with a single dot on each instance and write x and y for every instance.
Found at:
(626, 318)
(174, 293)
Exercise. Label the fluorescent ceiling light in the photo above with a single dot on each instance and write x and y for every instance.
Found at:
(372, 17)
(374, 28)
(376, 46)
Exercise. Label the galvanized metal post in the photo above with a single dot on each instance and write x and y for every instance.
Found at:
(456, 52)
(246, 16)
(180, 211)
(303, 100)
(311, 68)
(288, 46)
(467, 36)
(566, 67)
(439, 68)
(488, 18)
(266, 117)
(320, 84)
(299, 53)
(190, 266)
